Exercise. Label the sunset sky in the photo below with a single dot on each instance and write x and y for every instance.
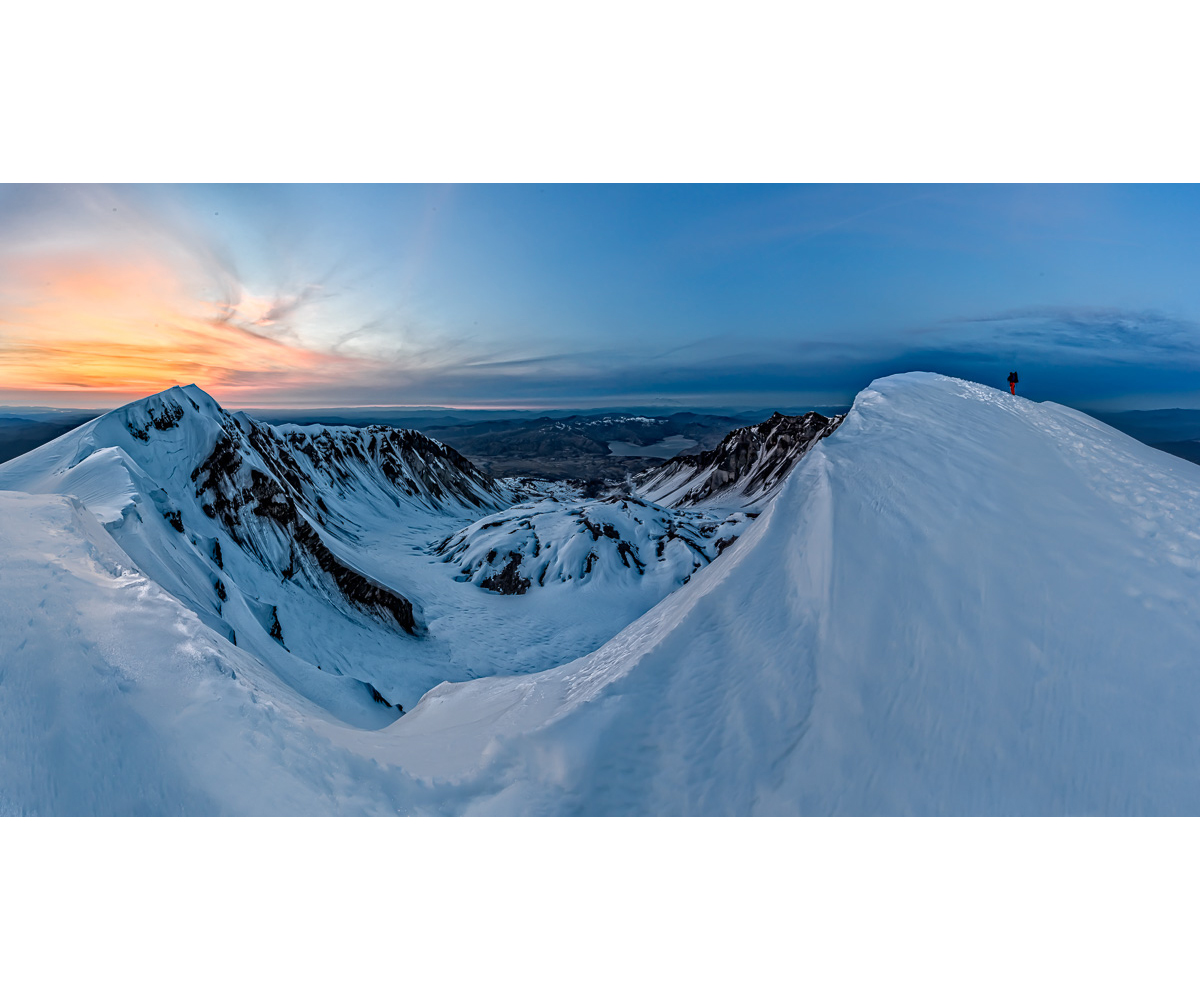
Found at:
(562, 295)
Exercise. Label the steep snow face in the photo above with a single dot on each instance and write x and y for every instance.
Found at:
(241, 521)
(613, 542)
(747, 468)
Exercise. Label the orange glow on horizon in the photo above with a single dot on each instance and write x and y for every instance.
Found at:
(133, 327)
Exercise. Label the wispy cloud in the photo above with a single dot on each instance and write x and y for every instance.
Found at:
(99, 292)
(1099, 334)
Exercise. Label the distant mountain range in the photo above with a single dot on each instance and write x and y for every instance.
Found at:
(22, 432)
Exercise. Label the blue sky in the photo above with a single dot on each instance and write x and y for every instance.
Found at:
(591, 295)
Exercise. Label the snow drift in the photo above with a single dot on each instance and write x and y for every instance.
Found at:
(960, 602)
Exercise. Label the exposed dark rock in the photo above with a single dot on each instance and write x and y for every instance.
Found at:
(169, 417)
(509, 580)
(627, 553)
(271, 499)
(380, 699)
(220, 589)
(353, 584)
(756, 459)
(216, 553)
(215, 475)
(267, 497)
(175, 519)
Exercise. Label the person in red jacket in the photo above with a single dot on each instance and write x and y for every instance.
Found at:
(1012, 382)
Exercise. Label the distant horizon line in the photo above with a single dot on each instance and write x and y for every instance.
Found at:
(816, 400)
(51, 400)
(304, 408)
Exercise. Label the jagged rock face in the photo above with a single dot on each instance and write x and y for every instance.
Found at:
(270, 512)
(618, 538)
(216, 477)
(162, 414)
(748, 466)
(402, 463)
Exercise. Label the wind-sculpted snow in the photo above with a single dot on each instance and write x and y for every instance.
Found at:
(116, 700)
(746, 468)
(961, 602)
(240, 522)
(618, 540)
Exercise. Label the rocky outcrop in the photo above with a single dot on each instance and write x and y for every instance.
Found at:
(748, 466)
(221, 485)
(623, 538)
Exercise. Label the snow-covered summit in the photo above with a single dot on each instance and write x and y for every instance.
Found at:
(252, 528)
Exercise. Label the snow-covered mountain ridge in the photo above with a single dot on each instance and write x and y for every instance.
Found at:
(961, 602)
(253, 528)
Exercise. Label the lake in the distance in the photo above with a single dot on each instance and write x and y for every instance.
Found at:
(668, 447)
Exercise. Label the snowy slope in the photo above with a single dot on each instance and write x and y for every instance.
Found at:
(309, 547)
(962, 602)
(115, 699)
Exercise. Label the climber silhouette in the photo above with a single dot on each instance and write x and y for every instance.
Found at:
(1012, 382)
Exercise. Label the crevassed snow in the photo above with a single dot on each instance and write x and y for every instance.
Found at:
(961, 602)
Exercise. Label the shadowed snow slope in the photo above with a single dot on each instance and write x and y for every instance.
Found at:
(961, 602)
